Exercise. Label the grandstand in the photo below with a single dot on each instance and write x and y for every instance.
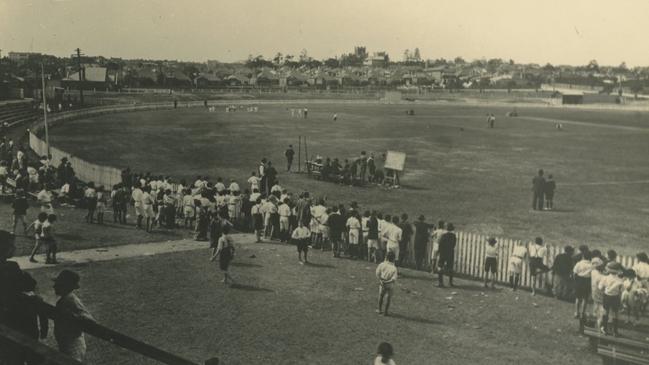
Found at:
(16, 112)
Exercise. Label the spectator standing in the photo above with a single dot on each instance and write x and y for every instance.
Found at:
(549, 188)
(538, 188)
(422, 236)
(387, 274)
(435, 237)
(406, 235)
(612, 285)
(68, 334)
(225, 251)
(562, 269)
(301, 236)
(519, 253)
(582, 274)
(372, 237)
(289, 153)
(38, 234)
(491, 262)
(20, 207)
(537, 254)
(596, 276)
(447, 255)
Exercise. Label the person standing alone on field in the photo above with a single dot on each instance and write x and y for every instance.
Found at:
(550, 186)
(289, 153)
(386, 272)
(538, 188)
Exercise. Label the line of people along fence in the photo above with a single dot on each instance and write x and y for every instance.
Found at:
(469, 252)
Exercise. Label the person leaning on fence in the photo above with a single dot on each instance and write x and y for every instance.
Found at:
(562, 267)
(446, 255)
(435, 237)
(596, 275)
(612, 285)
(582, 275)
(67, 332)
(519, 253)
(386, 273)
(491, 262)
(422, 235)
(537, 253)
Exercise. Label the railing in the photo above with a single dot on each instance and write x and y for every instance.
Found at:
(16, 340)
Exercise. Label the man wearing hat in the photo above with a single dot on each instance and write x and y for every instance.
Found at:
(421, 241)
(612, 286)
(446, 255)
(67, 332)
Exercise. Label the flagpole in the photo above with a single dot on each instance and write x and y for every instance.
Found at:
(47, 134)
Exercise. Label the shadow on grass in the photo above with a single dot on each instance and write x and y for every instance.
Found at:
(245, 264)
(70, 236)
(413, 319)
(418, 277)
(321, 266)
(250, 288)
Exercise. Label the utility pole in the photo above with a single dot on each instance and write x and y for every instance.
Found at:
(81, 76)
(47, 135)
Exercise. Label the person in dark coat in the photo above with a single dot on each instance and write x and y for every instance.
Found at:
(446, 255)
(406, 234)
(289, 153)
(336, 223)
(548, 190)
(422, 236)
(562, 270)
(538, 188)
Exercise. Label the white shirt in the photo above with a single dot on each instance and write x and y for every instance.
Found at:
(301, 233)
(353, 223)
(386, 272)
(492, 251)
(275, 188)
(219, 186)
(254, 196)
(393, 234)
(234, 187)
(538, 250)
(317, 212)
(583, 268)
(284, 210)
(44, 197)
(519, 251)
(137, 196)
(641, 270)
(254, 182)
(378, 361)
(612, 285)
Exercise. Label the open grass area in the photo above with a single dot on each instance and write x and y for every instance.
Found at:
(456, 168)
(323, 313)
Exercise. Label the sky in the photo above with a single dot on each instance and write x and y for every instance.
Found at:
(529, 31)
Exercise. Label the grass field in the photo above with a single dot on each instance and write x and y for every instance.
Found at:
(456, 168)
(286, 313)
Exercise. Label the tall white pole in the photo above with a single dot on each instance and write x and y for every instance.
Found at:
(47, 134)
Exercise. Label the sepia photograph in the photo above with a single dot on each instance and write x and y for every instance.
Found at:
(362, 182)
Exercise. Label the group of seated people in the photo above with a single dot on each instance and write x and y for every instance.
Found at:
(356, 171)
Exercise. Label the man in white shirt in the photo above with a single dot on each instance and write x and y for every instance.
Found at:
(234, 187)
(136, 195)
(284, 211)
(253, 180)
(435, 237)
(219, 186)
(393, 237)
(386, 273)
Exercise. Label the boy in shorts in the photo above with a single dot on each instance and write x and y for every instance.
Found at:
(491, 262)
(301, 236)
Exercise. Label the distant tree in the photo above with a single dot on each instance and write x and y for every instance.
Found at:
(258, 62)
(417, 55)
(593, 66)
(332, 63)
(278, 58)
(459, 61)
(304, 57)
(548, 67)
(511, 62)
(406, 55)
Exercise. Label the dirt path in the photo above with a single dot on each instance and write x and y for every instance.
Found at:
(120, 252)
